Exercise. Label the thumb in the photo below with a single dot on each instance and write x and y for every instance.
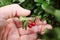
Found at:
(23, 12)
(13, 10)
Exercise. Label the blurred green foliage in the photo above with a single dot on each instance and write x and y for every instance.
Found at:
(46, 9)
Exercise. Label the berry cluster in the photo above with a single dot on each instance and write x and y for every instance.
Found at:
(28, 21)
(31, 24)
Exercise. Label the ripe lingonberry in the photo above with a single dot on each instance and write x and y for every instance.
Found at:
(30, 26)
(33, 24)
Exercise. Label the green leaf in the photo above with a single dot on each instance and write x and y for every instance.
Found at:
(48, 1)
(38, 16)
(5, 2)
(38, 4)
(14, 0)
(48, 8)
(24, 25)
(39, 1)
(39, 12)
(22, 18)
(58, 32)
(50, 35)
(21, 1)
(57, 14)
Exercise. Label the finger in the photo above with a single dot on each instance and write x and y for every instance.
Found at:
(10, 31)
(17, 22)
(48, 26)
(34, 29)
(23, 12)
(44, 22)
(3, 23)
(38, 21)
(43, 29)
(11, 10)
(29, 37)
(13, 33)
(24, 31)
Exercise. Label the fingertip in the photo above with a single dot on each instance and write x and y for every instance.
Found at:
(45, 22)
(48, 26)
(27, 12)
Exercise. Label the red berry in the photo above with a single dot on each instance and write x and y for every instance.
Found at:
(33, 24)
(29, 26)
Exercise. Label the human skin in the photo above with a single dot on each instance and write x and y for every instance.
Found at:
(8, 28)
(9, 11)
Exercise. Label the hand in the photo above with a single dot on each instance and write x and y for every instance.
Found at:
(9, 12)
(9, 17)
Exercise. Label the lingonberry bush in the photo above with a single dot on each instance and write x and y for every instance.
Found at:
(45, 10)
